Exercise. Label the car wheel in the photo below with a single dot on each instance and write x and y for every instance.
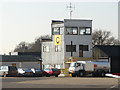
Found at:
(102, 74)
(56, 75)
(47, 75)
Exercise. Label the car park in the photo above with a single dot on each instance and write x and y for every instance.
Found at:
(52, 72)
(8, 71)
(38, 72)
(25, 72)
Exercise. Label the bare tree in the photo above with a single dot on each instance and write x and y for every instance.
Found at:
(31, 47)
(104, 38)
(21, 47)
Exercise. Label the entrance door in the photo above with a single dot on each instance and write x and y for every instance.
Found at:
(80, 50)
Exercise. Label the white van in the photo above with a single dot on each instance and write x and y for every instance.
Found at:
(8, 71)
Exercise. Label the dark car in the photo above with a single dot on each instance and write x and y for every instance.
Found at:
(38, 72)
(52, 72)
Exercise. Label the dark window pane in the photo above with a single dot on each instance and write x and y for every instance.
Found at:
(85, 47)
(70, 48)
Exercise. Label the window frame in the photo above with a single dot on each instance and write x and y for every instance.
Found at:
(85, 28)
(53, 31)
(72, 29)
(90, 31)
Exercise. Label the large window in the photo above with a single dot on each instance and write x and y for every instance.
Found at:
(85, 31)
(56, 31)
(71, 31)
(70, 48)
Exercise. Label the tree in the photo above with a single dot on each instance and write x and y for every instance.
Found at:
(21, 47)
(104, 38)
(31, 47)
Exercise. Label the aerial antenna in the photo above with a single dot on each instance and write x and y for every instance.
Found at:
(70, 7)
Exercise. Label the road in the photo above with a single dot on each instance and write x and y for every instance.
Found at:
(59, 82)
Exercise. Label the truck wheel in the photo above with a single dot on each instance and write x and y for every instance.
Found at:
(73, 75)
(56, 75)
(47, 75)
(81, 74)
(102, 74)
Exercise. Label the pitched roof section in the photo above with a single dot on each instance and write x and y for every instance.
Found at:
(18, 58)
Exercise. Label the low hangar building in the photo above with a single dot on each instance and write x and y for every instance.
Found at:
(22, 60)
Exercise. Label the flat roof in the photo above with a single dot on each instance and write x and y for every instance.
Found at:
(62, 21)
(77, 20)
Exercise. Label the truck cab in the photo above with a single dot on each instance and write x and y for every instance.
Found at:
(75, 67)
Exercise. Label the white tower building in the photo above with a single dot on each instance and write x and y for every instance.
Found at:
(71, 40)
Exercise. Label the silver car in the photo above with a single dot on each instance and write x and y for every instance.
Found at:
(25, 72)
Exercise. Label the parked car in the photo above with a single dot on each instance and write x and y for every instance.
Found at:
(8, 71)
(52, 72)
(25, 72)
(38, 72)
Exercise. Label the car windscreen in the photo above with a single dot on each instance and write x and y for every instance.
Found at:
(47, 69)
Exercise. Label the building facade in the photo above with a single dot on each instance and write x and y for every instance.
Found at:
(71, 38)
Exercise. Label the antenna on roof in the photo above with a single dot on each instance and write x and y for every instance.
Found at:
(70, 7)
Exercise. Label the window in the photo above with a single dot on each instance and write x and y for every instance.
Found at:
(88, 30)
(70, 48)
(71, 31)
(75, 31)
(68, 31)
(85, 31)
(82, 30)
(85, 47)
(46, 49)
(56, 31)
(57, 48)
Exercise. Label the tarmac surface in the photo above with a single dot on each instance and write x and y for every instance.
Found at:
(105, 83)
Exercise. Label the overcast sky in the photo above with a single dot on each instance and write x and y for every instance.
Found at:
(25, 21)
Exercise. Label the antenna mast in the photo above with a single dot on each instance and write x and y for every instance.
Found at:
(70, 8)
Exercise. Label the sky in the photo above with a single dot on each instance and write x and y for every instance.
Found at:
(25, 21)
